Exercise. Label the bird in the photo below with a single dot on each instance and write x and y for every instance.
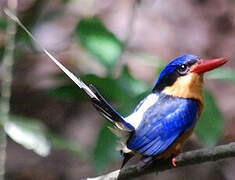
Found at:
(162, 122)
(165, 119)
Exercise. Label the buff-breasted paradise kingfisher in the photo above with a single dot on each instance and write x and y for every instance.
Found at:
(162, 122)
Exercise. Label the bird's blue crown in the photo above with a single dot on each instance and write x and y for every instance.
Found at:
(169, 74)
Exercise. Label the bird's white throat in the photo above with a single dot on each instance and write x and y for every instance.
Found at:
(136, 117)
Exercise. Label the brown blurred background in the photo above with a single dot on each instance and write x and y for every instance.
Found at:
(152, 31)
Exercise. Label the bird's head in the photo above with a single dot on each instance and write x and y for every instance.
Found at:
(183, 77)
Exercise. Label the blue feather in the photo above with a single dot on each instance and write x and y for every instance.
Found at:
(173, 64)
(163, 123)
(169, 75)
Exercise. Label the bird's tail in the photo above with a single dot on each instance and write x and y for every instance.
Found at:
(98, 101)
(108, 111)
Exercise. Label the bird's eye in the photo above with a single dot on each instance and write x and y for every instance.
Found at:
(183, 69)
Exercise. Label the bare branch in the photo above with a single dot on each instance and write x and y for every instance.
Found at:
(6, 75)
(184, 159)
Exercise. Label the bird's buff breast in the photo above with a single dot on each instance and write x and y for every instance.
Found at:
(188, 86)
(177, 146)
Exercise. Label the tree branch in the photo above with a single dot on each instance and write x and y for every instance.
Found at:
(184, 159)
(7, 64)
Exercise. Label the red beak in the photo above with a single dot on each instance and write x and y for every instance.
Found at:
(205, 65)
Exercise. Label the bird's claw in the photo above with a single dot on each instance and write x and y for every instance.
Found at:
(173, 161)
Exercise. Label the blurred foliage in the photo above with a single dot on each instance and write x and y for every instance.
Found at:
(29, 133)
(99, 42)
(124, 87)
(3, 24)
(34, 135)
(105, 152)
(132, 86)
(211, 124)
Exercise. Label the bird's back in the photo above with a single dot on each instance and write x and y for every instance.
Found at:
(162, 123)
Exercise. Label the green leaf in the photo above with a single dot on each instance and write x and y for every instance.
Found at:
(211, 124)
(105, 152)
(120, 89)
(73, 92)
(67, 92)
(107, 86)
(99, 41)
(29, 133)
(132, 86)
(227, 74)
(128, 106)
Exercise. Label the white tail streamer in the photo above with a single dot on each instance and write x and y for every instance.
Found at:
(75, 79)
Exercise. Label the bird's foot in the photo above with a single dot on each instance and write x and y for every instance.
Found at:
(173, 160)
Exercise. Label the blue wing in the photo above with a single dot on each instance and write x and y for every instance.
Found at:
(163, 123)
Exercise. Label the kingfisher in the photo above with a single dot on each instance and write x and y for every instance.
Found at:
(164, 120)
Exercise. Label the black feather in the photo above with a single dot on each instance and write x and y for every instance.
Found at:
(108, 111)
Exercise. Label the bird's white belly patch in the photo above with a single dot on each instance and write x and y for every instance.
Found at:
(136, 117)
